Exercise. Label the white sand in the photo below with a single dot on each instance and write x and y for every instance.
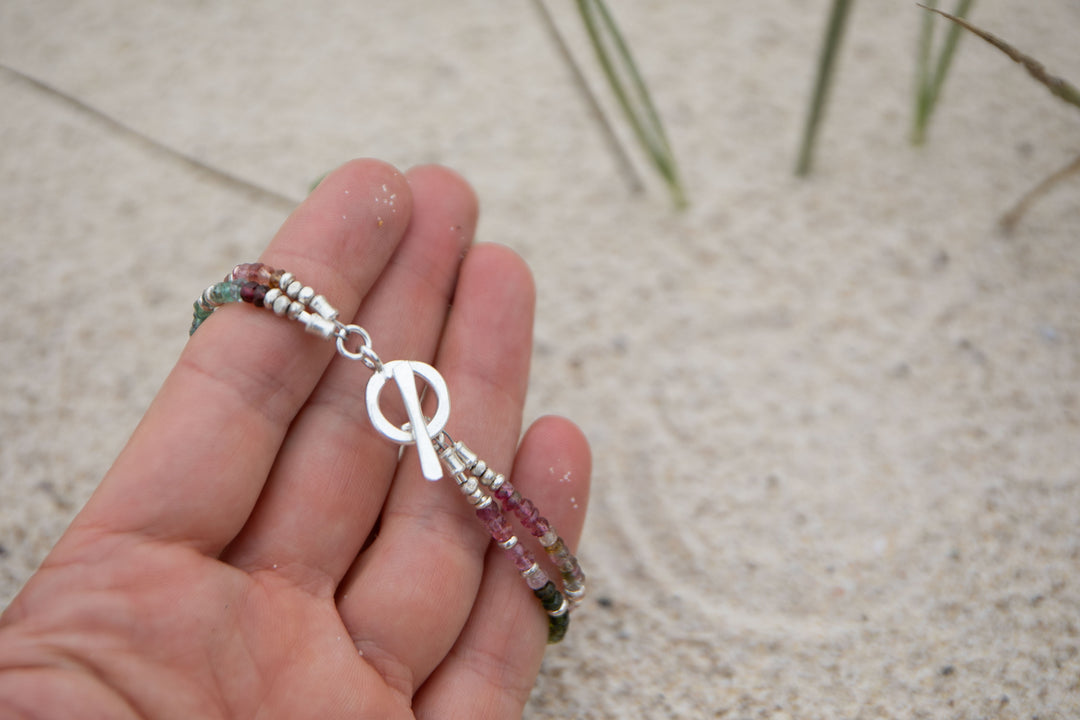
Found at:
(835, 421)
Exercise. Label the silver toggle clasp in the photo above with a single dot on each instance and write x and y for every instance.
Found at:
(419, 429)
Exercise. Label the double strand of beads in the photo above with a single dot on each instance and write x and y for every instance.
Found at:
(277, 290)
(475, 479)
(281, 293)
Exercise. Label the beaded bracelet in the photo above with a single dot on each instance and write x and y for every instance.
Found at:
(280, 292)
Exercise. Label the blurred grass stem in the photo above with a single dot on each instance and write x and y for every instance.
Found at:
(631, 93)
(928, 83)
(834, 33)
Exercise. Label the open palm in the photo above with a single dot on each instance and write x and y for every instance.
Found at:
(258, 550)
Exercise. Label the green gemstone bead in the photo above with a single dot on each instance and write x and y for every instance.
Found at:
(549, 596)
(225, 292)
(557, 627)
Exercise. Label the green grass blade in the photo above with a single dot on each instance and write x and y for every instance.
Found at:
(653, 125)
(931, 89)
(618, 152)
(635, 101)
(834, 33)
(963, 8)
(922, 76)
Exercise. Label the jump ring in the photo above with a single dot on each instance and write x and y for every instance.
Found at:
(364, 354)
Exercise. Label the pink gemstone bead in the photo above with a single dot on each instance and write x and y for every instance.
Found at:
(523, 559)
(512, 502)
(253, 272)
(527, 514)
(495, 523)
(537, 580)
(488, 514)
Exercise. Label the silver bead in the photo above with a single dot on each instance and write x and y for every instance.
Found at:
(293, 289)
(281, 304)
(271, 297)
(306, 293)
(320, 305)
(574, 591)
(532, 571)
(511, 542)
(317, 325)
(479, 467)
(453, 462)
(469, 486)
(467, 455)
(498, 481)
(294, 310)
(563, 608)
(285, 280)
(477, 497)
(485, 500)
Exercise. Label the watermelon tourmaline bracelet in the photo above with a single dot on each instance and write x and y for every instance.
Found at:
(485, 489)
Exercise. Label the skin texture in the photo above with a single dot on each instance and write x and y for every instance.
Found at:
(258, 550)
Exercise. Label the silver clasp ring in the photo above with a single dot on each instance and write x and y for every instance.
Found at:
(419, 429)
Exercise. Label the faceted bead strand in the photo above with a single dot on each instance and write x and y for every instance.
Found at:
(280, 292)
(539, 526)
(522, 508)
(557, 609)
(459, 459)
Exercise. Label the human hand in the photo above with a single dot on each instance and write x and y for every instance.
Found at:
(258, 549)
